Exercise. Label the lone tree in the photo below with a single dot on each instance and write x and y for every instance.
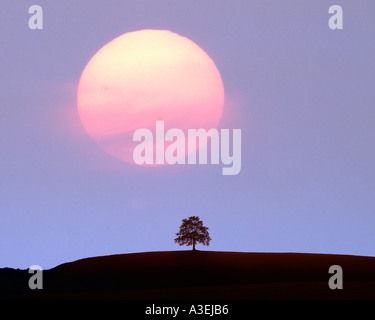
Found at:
(191, 232)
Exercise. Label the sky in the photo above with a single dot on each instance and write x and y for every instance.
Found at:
(302, 94)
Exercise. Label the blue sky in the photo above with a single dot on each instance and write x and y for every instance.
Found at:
(302, 94)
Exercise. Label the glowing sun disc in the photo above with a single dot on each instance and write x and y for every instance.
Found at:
(144, 76)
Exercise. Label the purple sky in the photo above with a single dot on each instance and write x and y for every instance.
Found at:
(302, 94)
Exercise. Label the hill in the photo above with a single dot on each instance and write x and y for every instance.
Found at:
(198, 275)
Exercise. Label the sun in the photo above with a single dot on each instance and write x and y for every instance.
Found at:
(144, 76)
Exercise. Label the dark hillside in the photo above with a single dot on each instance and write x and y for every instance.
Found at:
(207, 274)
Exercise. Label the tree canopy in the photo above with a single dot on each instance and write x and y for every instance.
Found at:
(192, 232)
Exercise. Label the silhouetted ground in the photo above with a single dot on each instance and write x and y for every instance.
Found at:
(180, 275)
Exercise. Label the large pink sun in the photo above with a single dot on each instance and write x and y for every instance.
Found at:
(144, 76)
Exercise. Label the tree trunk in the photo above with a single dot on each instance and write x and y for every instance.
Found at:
(193, 245)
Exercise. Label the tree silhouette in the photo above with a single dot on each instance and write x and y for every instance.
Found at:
(192, 232)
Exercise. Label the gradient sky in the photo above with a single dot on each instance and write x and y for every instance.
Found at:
(302, 94)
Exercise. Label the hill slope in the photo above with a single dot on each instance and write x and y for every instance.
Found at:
(207, 275)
